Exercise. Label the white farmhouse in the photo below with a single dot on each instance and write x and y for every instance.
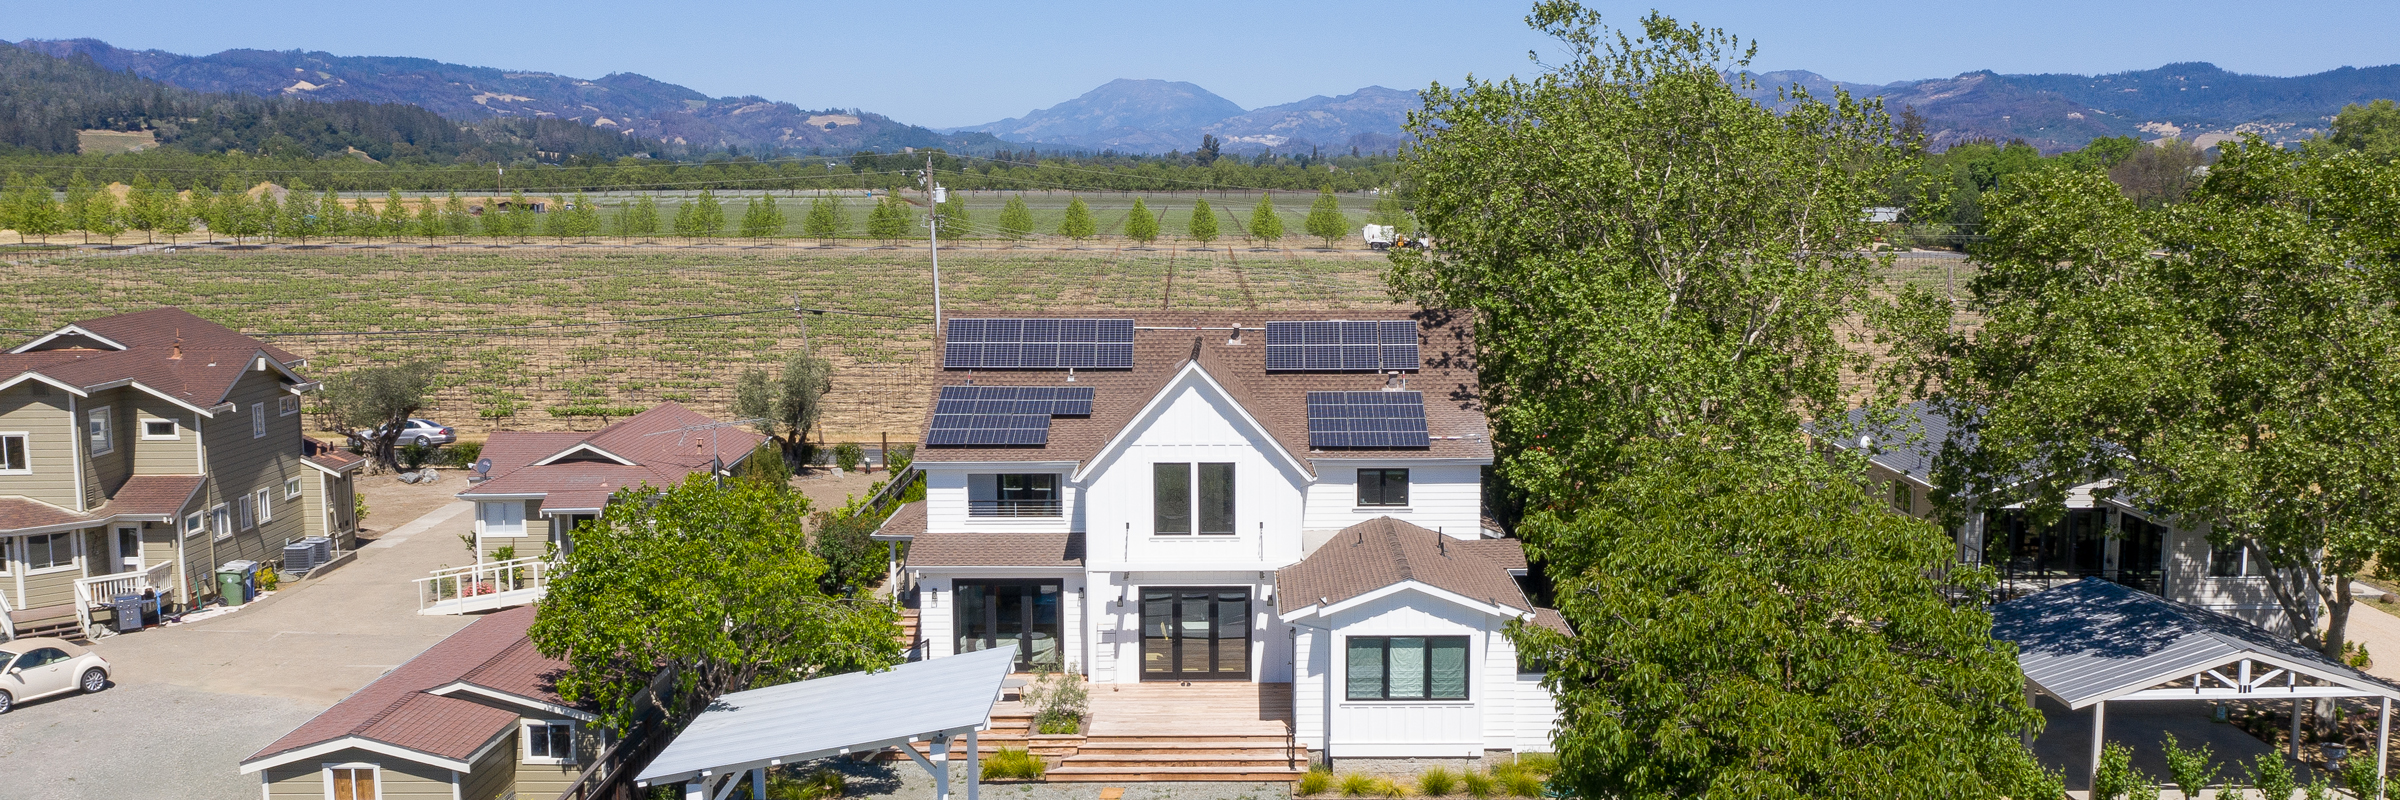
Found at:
(1288, 502)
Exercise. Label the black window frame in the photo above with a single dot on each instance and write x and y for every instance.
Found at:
(1171, 499)
(1213, 516)
(1466, 688)
(1380, 495)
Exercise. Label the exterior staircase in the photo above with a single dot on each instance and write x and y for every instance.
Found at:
(908, 630)
(1182, 757)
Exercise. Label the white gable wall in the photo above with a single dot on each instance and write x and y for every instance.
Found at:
(1411, 728)
(947, 492)
(1193, 423)
(1442, 497)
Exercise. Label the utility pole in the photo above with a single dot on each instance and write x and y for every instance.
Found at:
(933, 225)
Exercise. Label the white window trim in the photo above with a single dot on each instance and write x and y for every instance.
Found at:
(28, 437)
(8, 558)
(258, 420)
(484, 524)
(291, 488)
(174, 430)
(99, 421)
(287, 405)
(74, 545)
(525, 741)
(221, 511)
(329, 767)
(195, 523)
(266, 506)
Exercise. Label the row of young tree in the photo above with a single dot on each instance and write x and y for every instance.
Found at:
(157, 210)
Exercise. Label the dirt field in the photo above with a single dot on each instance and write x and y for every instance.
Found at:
(540, 337)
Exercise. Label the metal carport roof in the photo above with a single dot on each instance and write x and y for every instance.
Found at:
(2094, 640)
(923, 701)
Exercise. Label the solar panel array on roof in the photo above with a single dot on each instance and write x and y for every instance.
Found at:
(1367, 419)
(1342, 346)
(1003, 415)
(1039, 344)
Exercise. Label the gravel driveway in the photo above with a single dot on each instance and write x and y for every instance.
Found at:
(191, 701)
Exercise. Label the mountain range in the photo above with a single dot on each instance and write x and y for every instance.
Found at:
(2053, 112)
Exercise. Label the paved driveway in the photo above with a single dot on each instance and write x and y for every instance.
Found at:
(191, 701)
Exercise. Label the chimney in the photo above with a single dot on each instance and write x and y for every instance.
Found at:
(175, 350)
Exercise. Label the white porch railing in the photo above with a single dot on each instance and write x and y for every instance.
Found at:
(99, 591)
(8, 621)
(485, 586)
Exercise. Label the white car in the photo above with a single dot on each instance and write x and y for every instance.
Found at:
(419, 432)
(34, 668)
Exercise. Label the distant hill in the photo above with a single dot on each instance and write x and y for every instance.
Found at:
(2060, 112)
(1155, 116)
(45, 101)
(623, 102)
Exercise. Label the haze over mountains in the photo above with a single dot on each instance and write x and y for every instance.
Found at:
(2052, 112)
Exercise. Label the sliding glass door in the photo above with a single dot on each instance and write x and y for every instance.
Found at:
(1018, 614)
(1196, 633)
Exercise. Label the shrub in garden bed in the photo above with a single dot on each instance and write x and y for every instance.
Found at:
(1007, 764)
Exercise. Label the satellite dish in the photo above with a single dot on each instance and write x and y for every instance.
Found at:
(483, 466)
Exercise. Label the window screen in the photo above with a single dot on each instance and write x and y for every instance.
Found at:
(49, 550)
(1171, 498)
(1407, 668)
(1216, 499)
(1383, 487)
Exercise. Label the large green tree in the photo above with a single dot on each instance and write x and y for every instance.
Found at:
(762, 218)
(1202, 227)
(2372, 129)
(1659, 272)
(1078, 223)
(712, 581)
(1016, 219)
(824, 219)
(786, 405)
(1266, 225)
(2229, 361)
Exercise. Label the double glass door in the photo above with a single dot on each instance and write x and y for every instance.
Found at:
(1196, 633)
(1016, 614)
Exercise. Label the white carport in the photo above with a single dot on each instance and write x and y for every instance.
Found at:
(2093, 642)
(744, 733)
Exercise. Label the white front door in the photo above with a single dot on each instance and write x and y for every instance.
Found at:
(126, 550)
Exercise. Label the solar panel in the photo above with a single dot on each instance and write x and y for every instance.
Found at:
(1342, 346)
(1039, 344)
(1003, 415)
(1367, 419)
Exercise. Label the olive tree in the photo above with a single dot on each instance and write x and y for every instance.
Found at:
(380, 399)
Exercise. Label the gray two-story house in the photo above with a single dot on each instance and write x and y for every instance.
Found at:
(139, 452)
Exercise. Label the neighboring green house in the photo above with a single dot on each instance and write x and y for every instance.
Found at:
(140, 452)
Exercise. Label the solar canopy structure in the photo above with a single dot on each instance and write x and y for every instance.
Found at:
(1366, 419)
(744, 733)
(1038, 344)
(1342, 346)
(2093, 642)
(1003, 415)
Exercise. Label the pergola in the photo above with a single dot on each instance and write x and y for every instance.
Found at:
(744, 733)
(2093, 642)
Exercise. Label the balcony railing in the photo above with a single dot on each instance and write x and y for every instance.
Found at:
(1015, 508)
(485, 586)
(99, 591)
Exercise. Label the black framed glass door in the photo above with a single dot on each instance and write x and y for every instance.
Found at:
(1018, 614)
(1192, 634)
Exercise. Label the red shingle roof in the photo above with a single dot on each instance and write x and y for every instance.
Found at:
(1383, 552)
(213, 356)
(662, 453)
(396, 709)
(142, 497)
(1164, 343)
(19, 513)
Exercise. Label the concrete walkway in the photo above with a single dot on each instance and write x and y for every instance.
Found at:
(191, 701)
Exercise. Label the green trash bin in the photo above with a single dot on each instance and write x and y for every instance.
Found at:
(229, 586)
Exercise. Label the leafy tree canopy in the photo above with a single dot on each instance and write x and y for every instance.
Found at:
(380, 398)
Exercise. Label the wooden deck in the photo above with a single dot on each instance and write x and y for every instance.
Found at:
(1199, 709)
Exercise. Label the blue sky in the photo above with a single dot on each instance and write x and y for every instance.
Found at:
(944, 63)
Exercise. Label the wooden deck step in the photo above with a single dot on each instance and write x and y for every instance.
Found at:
(1075, 774)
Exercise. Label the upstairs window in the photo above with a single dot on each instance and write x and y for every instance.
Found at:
(12, 454)
(103, 437)
(1183, 505)
(1026, 495)
(351, 782)
(291, 488)
(287, 405)
(158, 429)
(258, 420)
(1383, 487)
(1904, 497)
(2234, 561)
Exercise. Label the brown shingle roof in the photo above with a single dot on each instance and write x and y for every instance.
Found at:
(1163, 344)
(1383, 552)
(19, 513)
(906, 522)
(160, 495)
(1550, 618)
(213, 356)
(523, 671)
(397, 711)
(662, 453)
(996, 550)
(1507, 553)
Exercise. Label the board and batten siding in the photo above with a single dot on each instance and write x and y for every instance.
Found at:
(50, 444)
(240, 464)
(1312, 650)
(1441, 497)
(1193, 424)
(1405, 728)
(396, 780)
